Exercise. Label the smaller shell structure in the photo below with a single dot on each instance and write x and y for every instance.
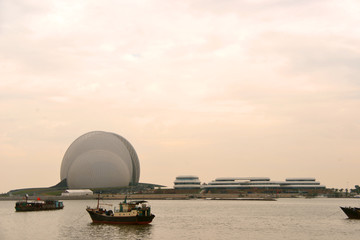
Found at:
(100, 159)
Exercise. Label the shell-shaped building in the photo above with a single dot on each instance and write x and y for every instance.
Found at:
(100, 160)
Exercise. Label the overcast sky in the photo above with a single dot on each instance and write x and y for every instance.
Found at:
(213, 88)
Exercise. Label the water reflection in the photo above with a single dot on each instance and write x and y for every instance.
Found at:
(131, 229)
(106, 231)
(120, 231)
(352, 221)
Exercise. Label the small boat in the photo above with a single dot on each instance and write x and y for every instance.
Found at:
(132, 212)
(351, 212)
(38, 205)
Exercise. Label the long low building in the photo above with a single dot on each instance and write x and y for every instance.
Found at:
(263, 182)
(248, 183)
(77, 192)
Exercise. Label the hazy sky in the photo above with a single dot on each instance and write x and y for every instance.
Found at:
(213, 88)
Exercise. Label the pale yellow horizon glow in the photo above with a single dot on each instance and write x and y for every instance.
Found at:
(207, 88)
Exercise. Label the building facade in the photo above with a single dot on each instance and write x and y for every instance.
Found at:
(100, 160)
(187, 182)
(264, 184)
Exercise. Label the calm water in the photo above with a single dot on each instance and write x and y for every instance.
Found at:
(192, 219)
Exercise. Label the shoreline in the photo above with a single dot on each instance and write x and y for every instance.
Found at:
(208, 196)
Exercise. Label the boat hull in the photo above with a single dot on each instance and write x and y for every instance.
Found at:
(101, 218)
(38, 206)
(351, 212)
(36, 209)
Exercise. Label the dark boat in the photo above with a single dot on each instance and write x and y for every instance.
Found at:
(38, 205)
(351, 212)
(133, 212)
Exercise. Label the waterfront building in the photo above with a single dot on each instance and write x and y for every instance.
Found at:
(187, 182)
(264, 183)
(77, 192)
(100, 160)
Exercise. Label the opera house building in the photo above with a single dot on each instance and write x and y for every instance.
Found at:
(100, 160)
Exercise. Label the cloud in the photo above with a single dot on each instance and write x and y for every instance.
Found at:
(248, 80)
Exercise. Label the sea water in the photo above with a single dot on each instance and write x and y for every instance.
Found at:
(318, 218)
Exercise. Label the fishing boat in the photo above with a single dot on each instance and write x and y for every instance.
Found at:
(132, 212)
(37, 205)
(351, 212)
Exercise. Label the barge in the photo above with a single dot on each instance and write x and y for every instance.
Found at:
(38, 205)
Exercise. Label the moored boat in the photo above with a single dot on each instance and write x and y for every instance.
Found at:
(37, 205)
(351, 212)
(132, 212)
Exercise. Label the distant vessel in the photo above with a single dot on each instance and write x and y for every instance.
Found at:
(133, 212)
(38, 205)
(244, 199)
(351, 212)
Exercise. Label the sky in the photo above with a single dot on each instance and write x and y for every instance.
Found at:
(212, 88)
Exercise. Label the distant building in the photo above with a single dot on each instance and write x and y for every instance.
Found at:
(100, 160)
(77, 192)
(263, 183)
(187, 182)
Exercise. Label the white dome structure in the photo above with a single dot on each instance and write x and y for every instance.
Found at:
(99, 160)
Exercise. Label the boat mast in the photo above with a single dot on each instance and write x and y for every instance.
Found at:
(98, 201)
